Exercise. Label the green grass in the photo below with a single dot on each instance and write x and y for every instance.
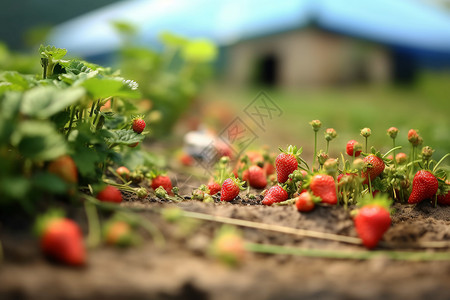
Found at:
(348, 110)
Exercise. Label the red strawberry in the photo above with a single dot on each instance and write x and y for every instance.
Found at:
(257, 177)
(230, 189)
(214, 187)
(110, 194)
(424, 186)
(269, 168)
(305, 202)
(286, 163)
(65, 168)
(353, 146)
(275, 194)
(62, 240)
(374, 168)
(323, 186)
(444, 199)
(164, 181)
(371, 222)
(138, 125)
(133, 145)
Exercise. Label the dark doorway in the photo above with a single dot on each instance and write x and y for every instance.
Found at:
(404, 68)
(267, 70)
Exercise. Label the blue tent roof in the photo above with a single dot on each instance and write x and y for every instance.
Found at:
(403, 23)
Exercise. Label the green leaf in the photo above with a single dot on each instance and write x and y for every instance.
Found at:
(86, 160)
(109, 87)
(14, 187)
(173, 40)
(17, 81)
(52, 52)
(124, 137)
(10, 104)
(44, 102)
(50, 183)
(200, 51)
(38, 140)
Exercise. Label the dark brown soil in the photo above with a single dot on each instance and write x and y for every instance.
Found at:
(182, 269)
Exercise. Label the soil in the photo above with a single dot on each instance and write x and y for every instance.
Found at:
(183, 269)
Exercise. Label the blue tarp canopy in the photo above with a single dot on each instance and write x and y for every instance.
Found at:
(407, 24)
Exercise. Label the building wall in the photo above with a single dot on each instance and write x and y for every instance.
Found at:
(309, 57)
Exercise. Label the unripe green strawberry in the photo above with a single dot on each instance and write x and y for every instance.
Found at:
(371, 222)
(120, 233)
(366, 132)
(330, 134)
(424, 186)
(110, 194)
(323, 186)
(138, 125)
(274, 195)
(392, 132)
(123, 172)
(375, 166)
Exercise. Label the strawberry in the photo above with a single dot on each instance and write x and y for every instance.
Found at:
(257, 177)
(444, 199)
(286, 163)
(164, 181)
(375, 166)
(401, 158)
(305, 202)
(123, 172)
(269, 168)
(214, 187)
(133, 145)
(371, 222)
(138, 125)
(110, 194)
(186, 160)
(275, 194)
(353, 147)
(62, 240)
(228, 247)
(424, 186)
(65, 168)
(323, 186)
(230, 189)
(119, 233)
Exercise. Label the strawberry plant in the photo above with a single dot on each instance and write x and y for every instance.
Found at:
(53, 130)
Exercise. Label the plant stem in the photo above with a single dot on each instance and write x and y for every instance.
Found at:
(393, 153)
(94, 235)
(273, 227)
(366, 142)
(328, 143)
(315, 149)
(339, 254)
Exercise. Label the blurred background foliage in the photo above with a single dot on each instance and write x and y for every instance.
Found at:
(184, 81)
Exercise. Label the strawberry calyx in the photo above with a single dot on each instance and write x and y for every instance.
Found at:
(42, 222)
(380, 199)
